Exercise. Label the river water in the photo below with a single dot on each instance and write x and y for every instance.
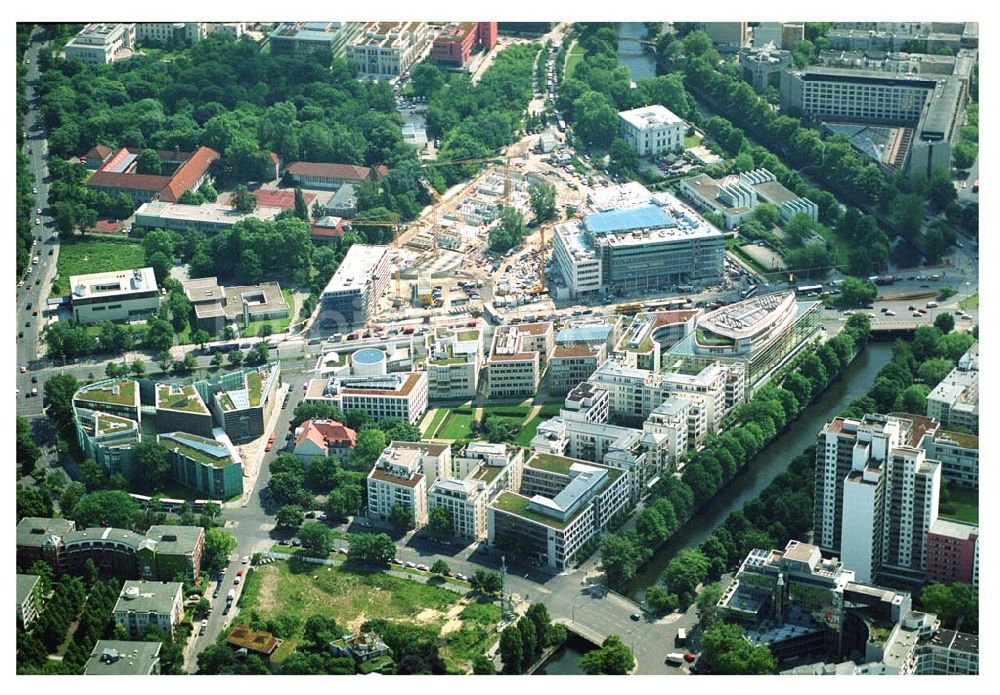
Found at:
(565, 661)
(770, 463)
(631, 54)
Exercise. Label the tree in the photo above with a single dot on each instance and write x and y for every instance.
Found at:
(106, 508)
(401, 517)
(595, 119)
(243, 200)
(509, 232)
(729, 652)
(933, 371)
(372, 550)
(511, 650)
(301, 211)
(529, 642)
(684, 573)
(33, 502)
(486, 581)
(707, 602)
(944, 322)
(481, 666)
(619, 559)
(854, 292)
(200, 337)
(767, 214)
(538, 614)
(440, 567)
(914, 399)
(368, 446)
(543, 200)
(660, 601)
(613, 658)
(426, 79)
(623, 159)
(958, 602)
(27, 451)
(941, 190)
(651, 527)
(149, 162)
(289, 517)
(317, 538)
(57, 399)
(236, 358)
(439, 522)
(954, 345)
(219, 545)
(151, 464)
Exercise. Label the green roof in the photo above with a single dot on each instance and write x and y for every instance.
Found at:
(967, 441)
(176, 440)
(255, 383)
(106, 422)
(103, 394)
(708, 338)
(487, 473)
(451, 358)
(551, 463)
(187, 400)
(518, 504)
(471, 334)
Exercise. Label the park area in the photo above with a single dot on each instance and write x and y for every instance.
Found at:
(464, 627)
(83, 256)
(456, 422)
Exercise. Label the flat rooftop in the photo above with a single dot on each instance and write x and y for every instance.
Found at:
(201, 449)
(177, 397)
(32, 531)
(148, 597)
(113, 283)
(117, 393)
(121, 658)
(209, 213)
(357, 269)
(650, 116)
(747, 317)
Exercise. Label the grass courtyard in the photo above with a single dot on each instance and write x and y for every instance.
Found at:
(962, 505)
(457, 424)
(83, 256)
(352, 597)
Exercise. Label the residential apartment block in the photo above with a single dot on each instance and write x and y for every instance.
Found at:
(562, 504)
(121, 295)
(480, 472)
(517, 359)
(402, 474)
(955, 401)
(958, 454)
(952, 549)
(402, 396)
(572, 363)
(386, 50)
(355, 288)
(102, 43)
(454, 357)
(144, 605)
(122, 658)
(29, 593)
(652, 130)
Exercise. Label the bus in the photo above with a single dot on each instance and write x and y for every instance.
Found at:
(806, 289)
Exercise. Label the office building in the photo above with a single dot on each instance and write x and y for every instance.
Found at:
(650, 334)
(561, 505)
(952, 548)
(181, 409)
(593, 330)
(517, 359)
(350, 297)
(207, 217)
(121, 658)
(958, 454)
(317, 438)
(242, 401)
(480, 472)
(29, 592)
(572, 363)
(652, 130)
(762, 65)
(204, 464)
(215, 306)
(954, 402)
(656, 246)
(454, 357)
(303, 38)
(728, 37)
(120, 295)
(876, 494)
(948, 653)
(401, 476)
(102, 43)
(144, 605)
(735, 196)
(397, 395)
(119, 174)
(106, 438)
(387, 50)
(455, 43)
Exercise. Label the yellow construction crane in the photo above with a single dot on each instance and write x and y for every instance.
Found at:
(395, 242)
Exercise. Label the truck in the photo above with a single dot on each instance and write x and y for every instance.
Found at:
(675, 658)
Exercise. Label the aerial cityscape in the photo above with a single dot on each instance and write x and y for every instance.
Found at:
(497, 348)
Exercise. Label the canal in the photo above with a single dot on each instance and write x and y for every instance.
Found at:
(565, 661)
(631, 54)
(770, 462)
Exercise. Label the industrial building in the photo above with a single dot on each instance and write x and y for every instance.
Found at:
(349, 299)
(118, 295)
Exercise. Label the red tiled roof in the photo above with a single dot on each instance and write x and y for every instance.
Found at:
(99, 151)
(189, 173)
(253, 640)
(328, 171)
(275, 159)
(317, 230)
(324, 432)
(381, 170)
(114, 179)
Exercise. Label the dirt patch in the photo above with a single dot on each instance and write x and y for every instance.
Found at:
(427, 615)
(355, 625)
(267, 596)
(452, 621)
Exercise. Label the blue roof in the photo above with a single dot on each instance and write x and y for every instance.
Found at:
(368, 356)
(583, 334)
(642, 217)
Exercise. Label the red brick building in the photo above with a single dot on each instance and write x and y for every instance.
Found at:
(951, 552)
(117, 174)
(456, 43)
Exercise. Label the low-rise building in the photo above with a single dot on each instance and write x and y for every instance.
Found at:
(258, 642)
(29, 594)
(144, 605)
(350, 296)
(316, 438)
(517, 359)
(651, 130)
(120, 295)
(303, 38)
(119, 174)
(366, 649)
(330, 176)
(479, 473)
(102, 43)
(561, 505)
(207, 217)
(952, 547)
(401, 476)
(215, 306)
(204, 464)
(386, 50)
(344, 203)
(735, 197)
(121, 658)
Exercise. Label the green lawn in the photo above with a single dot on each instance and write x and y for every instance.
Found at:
(691, 141)
(83, 256)
(277, 325)
(521, 410)
(970, 302)
(435, 423)
(575, 57)
(963, 505)
(527, 432)
(456, 426)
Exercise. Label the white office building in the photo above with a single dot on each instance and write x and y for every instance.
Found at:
(652, 130)
(118, 295)
(386, 50)
(402, 474)
(102, 43)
